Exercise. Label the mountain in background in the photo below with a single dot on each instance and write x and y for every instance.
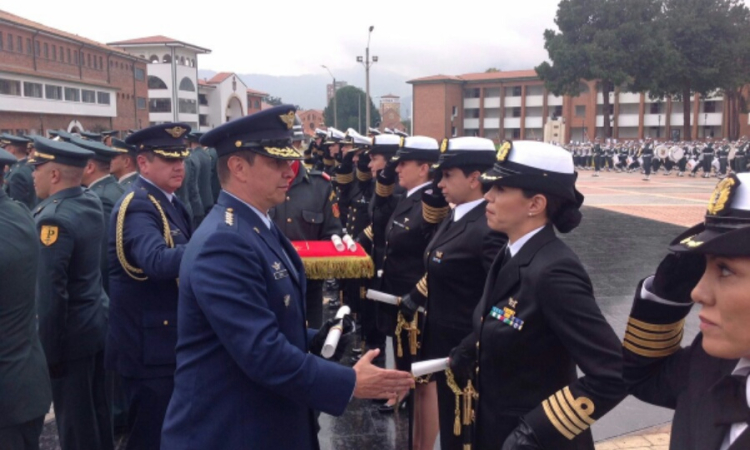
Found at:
(309, 91)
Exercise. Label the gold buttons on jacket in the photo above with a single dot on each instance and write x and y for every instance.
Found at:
(166, 322)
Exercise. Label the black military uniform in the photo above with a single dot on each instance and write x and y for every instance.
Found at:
(598, 155)
(538, 317)
(205, 173)
(309, 214)
(147, 237)
(740, 157)
(19, 185)
(71, 302)
(707, 393)
(457, 260)
(708, 158)
(723, 155)
(24, 380)
(647, 153)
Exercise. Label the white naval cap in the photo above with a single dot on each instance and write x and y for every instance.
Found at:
(466, 151)
(421, 148)
(334, 136)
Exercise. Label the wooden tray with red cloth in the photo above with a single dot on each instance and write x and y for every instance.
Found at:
(322, 261)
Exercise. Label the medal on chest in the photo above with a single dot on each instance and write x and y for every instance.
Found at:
(507, 315)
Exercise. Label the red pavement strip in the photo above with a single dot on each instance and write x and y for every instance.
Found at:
(625, 190)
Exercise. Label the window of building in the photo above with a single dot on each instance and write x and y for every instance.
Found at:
(257, 104)
(156, 83)
(153, 59)
(10, 87)
(513, 91)
(46, 50)
(75, 57)
(88, 59)
(140, 103)
(88, 96)
(187, 85)
(471, 113)
(557, 112)
(102, 98)
(709, 107)
(611, 109)
(471, 93)
(101, 63)
(53, 92)
(10, 42)
(94, 63)
(166, 59)
(62, 54)
(1, 40)
(655, 108)
(29, 49)
(203, 120)
(454, 131)
(54, 52)
(454, 112)
(160, 105)
(516, 133)
(72, 94)
(140, 74)
(202, 99)
(69, 59)
(516, 112)
(580, 110)
(37, 48)
(188, 106)
(19, 44)
(32, 89)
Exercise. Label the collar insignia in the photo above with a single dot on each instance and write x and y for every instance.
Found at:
(276, 265)
(288, 119)
(176, 132)
(229, 217)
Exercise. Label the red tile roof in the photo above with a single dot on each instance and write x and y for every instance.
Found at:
(257, 93)
(482, 76)
(220, 77)
(6, 16)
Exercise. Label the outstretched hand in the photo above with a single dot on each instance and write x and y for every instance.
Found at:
(374, 382)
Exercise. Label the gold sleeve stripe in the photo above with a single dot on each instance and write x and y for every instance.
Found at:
(328, 162)
(364, 176)
(368, 232)
(654, 345)
(344, 178)
(569, 411)
(653, 336)
(562, 416)
(655, 327)
(555, 422)
(422, 286)
(649, 353)
(583, 406)
(384, 191)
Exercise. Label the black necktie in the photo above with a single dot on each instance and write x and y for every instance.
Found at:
(730, 400)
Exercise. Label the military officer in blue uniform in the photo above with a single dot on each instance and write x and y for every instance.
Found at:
(24, 380)
(148, 231)
(18, 182)
(124, 166)
(70, 298)
(245, 378)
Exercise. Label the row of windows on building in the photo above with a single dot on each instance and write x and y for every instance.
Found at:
(67, 55)
(164, 105)
(52, 92)
(186, 84)
(181, 60)
(580, 110)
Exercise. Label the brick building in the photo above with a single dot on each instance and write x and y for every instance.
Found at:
(255, 100)
(52, 79)
(311, 119)
(390, 113)
(516, 105)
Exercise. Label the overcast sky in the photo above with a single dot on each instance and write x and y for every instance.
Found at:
(293, 37)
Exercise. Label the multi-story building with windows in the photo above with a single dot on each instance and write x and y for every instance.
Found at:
(516, 105)
(52, 79)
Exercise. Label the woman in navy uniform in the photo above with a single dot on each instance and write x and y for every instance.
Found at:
(705, 382)
(538, 319)
(457, 260)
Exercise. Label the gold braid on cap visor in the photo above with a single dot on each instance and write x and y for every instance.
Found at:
(171, 153)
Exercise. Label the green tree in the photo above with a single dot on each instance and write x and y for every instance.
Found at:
(492, 70)
(351, 110)
(274, 101)
(704, 43)
(606, 40)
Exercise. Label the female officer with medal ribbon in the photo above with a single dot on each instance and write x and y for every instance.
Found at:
(705, 382)
(537, 319)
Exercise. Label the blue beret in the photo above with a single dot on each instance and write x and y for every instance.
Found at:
(47, 150)
(267, 132)
(166, 140)
(101, 152)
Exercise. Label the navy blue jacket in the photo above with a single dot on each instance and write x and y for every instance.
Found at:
(244, 377)
(143, 313)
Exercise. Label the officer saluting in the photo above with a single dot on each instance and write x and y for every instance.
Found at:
(244, 376)
(70, 299)
(148, 231)
(24, 380)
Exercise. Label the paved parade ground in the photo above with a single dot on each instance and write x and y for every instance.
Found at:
(625, 231)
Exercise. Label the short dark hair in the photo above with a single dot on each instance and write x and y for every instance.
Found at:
(481, 168)
(102, 166)
(222, 169)
(554, 203)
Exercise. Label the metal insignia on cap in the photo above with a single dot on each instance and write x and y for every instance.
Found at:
(288, 119)
(238, 144)
(444, 146)
(722, 195)
(176, 132)
(502, 154)
(401, 142)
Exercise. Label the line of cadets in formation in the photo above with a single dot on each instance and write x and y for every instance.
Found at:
(399, 215)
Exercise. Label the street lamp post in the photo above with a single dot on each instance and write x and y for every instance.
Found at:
(335, 99)
(367, 63)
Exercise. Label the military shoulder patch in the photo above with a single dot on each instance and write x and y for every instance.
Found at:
(49, 234)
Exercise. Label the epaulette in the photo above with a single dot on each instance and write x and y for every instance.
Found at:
(229, 217)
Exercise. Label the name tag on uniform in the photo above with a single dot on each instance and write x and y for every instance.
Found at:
(507, 316)
(175, 232)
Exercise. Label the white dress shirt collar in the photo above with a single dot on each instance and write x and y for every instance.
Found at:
(415, 189)
(461, 210)
(167, 194)
(515, 247)
(264, 217)
(742, 369)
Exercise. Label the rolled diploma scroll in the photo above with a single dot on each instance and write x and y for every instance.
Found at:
(422, 368)
(349, 242)
(337, 243)
(385, 298)
(334, 334)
